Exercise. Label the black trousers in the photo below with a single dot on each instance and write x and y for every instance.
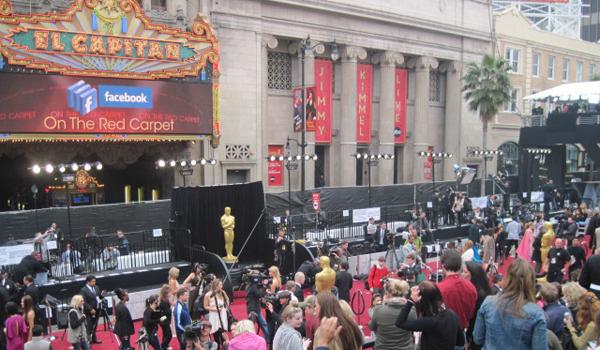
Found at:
(167, 335)
(125, 344)
(91, 322)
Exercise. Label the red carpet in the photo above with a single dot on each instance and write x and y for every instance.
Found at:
(238, 308)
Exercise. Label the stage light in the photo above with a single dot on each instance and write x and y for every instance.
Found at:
(61, 168)
(365, 156)
(289, 158)
(161, 163)
(202, 161)
(392, 156)
(87, 167)
(280, 158)
(36, 169)
(49, 168)
(213, 162)
(315, 157)
(74, 167)
(298, 157)
(193, 162)
(379, 156)
(272, 158)
(358, 155)
(99, 166)
(386, 156)
(183, 163)
(172, 163)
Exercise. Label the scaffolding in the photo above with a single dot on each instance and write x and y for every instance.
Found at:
(557, 16)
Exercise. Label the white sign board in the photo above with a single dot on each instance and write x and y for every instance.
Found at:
(12, 255)
(157, 232)
(363, 215)
(479, 202)
(537, 197)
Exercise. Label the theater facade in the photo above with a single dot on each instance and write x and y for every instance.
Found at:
(93, 95)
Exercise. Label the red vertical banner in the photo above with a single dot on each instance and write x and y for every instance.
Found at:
(428, 165)
(275, 172)
(311, 113)
(400, 91)
(364, 95)
(324, 102)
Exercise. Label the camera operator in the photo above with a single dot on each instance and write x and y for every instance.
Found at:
(93, 301)
(410, 269)
(274, 306)
(254, 294)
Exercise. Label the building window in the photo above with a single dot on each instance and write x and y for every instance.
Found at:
(565, 69)
(280, 71)
(434, 86)
(535, 68)
(579, 71)
(512, 56)
(159, 4)
(508, 161)
(551, 66)
(592, 71)
(511, 106)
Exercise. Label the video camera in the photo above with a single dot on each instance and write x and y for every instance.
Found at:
(189, 334)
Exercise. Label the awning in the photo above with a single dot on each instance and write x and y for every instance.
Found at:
(589, 91)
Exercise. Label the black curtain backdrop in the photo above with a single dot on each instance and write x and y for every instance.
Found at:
(199, 209)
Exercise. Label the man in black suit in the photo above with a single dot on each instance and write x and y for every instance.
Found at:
(7, 283)
(31, 289)
(380, 236)
(343, 282)
(299, 280)
(90, 293)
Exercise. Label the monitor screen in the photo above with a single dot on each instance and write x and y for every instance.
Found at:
(81, 199)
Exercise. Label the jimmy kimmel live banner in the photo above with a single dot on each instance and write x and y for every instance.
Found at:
(364, 93)
(35, 103)
(400, 89)
(275, 167)
(324, 106)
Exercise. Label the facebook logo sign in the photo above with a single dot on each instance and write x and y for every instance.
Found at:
(118, 96)
(82, 97)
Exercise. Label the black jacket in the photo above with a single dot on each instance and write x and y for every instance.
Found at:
(34, 292)
(89, 298)
(590, 274)
(343, 282)
(253, 295)
(27, 266)
(9, 286)
(299, 293)
(440, 332)
(378, 235)
(123, 321)
(151, 319)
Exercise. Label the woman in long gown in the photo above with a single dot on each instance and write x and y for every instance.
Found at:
(15, 327)
(525, 248)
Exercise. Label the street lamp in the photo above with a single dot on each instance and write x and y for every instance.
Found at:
(436, 157)
(486, 155)
(372, 160)
(305, 44)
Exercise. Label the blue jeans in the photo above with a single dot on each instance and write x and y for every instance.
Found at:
(263, 325)
(82, 345)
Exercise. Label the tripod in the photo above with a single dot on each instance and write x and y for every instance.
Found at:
(106, 319)
(437, 260)
(391, 250)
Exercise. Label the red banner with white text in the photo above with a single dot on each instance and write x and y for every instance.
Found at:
(364, 95)
(324, 102)
(400, 91)
(275, 171)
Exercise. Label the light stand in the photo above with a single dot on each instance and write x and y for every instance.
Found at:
(486, 155)
(185, 167)
(372, 160)
(34, 191)
(436, 157)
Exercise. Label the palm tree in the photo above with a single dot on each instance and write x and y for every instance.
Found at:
(487, 87)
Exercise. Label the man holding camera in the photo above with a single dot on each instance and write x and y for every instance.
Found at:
(256, 291)
(275, 306)
(92, 298)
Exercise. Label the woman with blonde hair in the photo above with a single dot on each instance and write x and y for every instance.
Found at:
(172, 282)
(589, 307)
(571, 292)
(467, 251)
(216, 302)
(287, 337)
(276, 276)
(383, 322)
(350, 337)
(77, 332)
(512, 312)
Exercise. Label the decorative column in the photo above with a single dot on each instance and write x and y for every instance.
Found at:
(452, 118)
(262, 140)
(347, 163)
(422, 65)
(387, 62)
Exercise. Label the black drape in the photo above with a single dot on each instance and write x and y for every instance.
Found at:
(199, 209)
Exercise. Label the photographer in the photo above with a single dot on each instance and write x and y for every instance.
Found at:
(203, 342)
(410, 269)
(254, 294)
(274, 308)
(151, 319)
(77, 333)
(91, 295)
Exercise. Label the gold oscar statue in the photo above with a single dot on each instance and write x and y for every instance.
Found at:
(325, 280)
(547, 241)
(228, 224)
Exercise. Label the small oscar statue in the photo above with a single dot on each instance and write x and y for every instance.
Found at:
(228, 224)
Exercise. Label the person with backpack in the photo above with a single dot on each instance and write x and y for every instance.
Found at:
(77, 331)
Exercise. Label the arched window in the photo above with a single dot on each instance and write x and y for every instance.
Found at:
(508, 161)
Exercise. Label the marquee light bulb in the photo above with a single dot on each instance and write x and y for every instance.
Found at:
(74, 167)
(161, 163)
(49, 168)
(36, 169)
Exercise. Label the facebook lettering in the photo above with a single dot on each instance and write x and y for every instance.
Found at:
(83, 98)
(117, 96)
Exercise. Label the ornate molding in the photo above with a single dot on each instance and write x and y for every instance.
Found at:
(388, 58)
(352, 53)
(423, 63)
(269, 41)
(450, 67)
(316, 47)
